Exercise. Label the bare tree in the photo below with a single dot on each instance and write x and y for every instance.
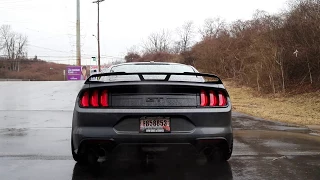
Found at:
(158, 42)
(132, 57)
(212, 27)
(133, 49)
(271, 52)
(13, 46)
(186, 34)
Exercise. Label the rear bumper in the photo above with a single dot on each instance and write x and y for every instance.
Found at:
(83, 135)
(100, 126)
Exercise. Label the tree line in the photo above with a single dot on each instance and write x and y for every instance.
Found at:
(271, 52)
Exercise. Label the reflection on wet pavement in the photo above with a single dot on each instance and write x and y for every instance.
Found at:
(243, 121)
(181, 169)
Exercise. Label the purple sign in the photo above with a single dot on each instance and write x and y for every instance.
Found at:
(74, 73)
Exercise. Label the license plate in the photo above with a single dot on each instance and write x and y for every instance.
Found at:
(154, 125)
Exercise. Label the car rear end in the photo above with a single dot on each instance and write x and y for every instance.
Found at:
(152, 113)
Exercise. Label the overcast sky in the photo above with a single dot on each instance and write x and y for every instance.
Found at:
(51, 24)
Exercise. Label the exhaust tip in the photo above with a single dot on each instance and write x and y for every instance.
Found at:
(207, 151)
(92, 156)
(102, 152)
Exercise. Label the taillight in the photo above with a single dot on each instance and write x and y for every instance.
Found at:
(95, 98)
(203, 98)
(212, 98)
(84, 101)
(222, 99)
(104, 99)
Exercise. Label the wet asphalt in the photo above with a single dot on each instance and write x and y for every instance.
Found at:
(35, 127)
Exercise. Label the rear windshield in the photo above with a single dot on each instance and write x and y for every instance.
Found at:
(165, 68)
(152, 68)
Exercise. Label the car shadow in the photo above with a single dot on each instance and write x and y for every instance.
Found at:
(174, 168)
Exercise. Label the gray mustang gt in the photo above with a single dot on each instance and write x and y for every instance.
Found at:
(151, 105)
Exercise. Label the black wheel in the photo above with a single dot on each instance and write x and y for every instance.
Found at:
(217, 155)
(229, 153)
(220, 154)
(74, 155)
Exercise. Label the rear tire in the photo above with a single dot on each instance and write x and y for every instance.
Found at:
(216, 156)
(229, 153)
(220, 154)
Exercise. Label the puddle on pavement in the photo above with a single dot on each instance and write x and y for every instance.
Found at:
(289, 128)
(280, 136)
(245, 122)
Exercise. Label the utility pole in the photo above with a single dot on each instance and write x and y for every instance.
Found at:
(98, 2)
(78, 35)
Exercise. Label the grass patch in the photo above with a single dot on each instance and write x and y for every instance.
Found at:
(302, 109)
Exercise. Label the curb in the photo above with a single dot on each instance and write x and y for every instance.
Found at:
(315, 128)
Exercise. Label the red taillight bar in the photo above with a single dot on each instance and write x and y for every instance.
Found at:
(84, 101)
(215, 99)
(104, 101)
(222, 99)
(94, 99)
(203, 98)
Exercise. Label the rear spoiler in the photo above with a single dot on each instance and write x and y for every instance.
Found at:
(140, 74)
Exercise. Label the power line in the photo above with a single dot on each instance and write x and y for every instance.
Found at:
(85, 55)
(23, 22)
(48, 48)
(5, 1)
(13, 2)
(68, 34)
(68, 57)
(16, 7)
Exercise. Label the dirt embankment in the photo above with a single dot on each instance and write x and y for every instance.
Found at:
(34, 70)
(301, 109)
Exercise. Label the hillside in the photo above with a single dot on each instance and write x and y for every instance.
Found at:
(34, 70)
(300, 109)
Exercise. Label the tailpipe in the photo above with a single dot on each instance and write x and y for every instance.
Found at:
(97, 155)
(207, 151)
(92, 156)
(102, 152)
(102, 155)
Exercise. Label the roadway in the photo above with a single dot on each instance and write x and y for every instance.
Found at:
(35, 127)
